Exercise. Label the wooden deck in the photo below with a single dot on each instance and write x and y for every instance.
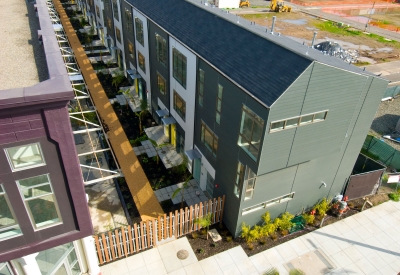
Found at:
(139, 186)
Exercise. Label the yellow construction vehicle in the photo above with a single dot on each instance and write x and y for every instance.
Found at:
(244, 3)
(279, 6)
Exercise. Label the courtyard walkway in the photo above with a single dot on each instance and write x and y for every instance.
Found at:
(139, 186)
(365, 243)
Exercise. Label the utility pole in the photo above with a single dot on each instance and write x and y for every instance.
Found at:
(369, 18)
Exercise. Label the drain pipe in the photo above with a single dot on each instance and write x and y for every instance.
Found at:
(273, 24)
(313, 40)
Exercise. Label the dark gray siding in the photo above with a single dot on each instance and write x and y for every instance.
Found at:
(109, 17)
(156, 66)
(129, 36)
(229, 153)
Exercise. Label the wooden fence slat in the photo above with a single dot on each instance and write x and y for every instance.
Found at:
(195, 216)
(96, 240)
(148, 234)
(218, 209)
(159, 228)
(124, 241)
(213, 210)
(209, 206)
(200, 214)
(181, 219)
(186, 221)
(105, 246)
(154, 231)
(118, 245)
(165, 226)
(110, 240)
(176, 233)
(142, 234)
(136, 237)
(170, 224)
(130, 239)
(190, 218)
(222, 208)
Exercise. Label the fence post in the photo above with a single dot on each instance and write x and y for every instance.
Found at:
(130, 238)
(165, 226)
(176, 219)
(181, 219)
(218, 209)
(159, 228)
(136, 237)
(190, 218)
(148, 235)
(118, 245)
(154, 232)
(96, 240)
(170, 224)
(124, 241)
(222, 208)
(142, 234)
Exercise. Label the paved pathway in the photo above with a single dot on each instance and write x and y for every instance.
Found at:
(365, 243)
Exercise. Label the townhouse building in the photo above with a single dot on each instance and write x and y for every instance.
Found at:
(272, 124)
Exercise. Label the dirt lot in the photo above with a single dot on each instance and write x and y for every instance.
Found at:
(300, 27)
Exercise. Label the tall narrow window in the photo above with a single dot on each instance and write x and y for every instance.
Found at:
(179, 105)
(115, 9)
(98, 11)
(179, 67)
(239, 179)
(40, 201)
(25, 156)
(251, 128)
(209, 139)
(201, 87)
(9, 227)
(139, 31)
(219, 104)
(131, 49)
(142, 63)
(107, 4)
(250, 183)
(118, 34)
(109, 23)
(128, 20)
(161, 84)
(161, 47)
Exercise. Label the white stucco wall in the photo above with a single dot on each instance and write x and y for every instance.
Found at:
(188, 94)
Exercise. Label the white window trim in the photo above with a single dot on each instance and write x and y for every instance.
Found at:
(26, 167)
(16, 225)
(2, 265)
(298, 123)
(268, 203)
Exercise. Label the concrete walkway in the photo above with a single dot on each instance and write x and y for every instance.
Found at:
(365, 243)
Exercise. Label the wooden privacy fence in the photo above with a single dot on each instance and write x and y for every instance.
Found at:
(125, 241)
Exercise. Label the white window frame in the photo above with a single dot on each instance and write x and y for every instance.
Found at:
(271, 130)
(28, 210)
(268, 203)
(2, 265)
(16, 225)
(29, 166)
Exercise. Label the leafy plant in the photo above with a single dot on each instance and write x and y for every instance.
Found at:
(322, 207)
(129, 205)
(213, 245)
(394, 196)
(118, 78)
(195, 235)
(201, 250)
(284, 221)
(157, 146)
(250, 234)
(228, 239)
(185, 185)
(309, 218)
(127, 94)
(205, 222)
(145, 160)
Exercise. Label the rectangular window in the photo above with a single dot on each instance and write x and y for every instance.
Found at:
(118, 33)
(115, 9)
(239, 179)
(107, 4)
(298, 121)
(161, 84)
(250, 183)
(142, 63)
(251, 128)
(109, 23)
(98, 11)
(219, 104)
(131, 49)
(179, 67)
(209, 139)
(179, 105)
(139, 31)
(161, 48)
(201, 87)
(25, 156)
(5, 269)
(268, 203)
(128, 20)
(40, 201)
(9, 227)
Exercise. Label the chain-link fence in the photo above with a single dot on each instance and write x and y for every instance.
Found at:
(380, 151)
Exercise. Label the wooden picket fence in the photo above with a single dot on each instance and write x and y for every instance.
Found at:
(126, 241)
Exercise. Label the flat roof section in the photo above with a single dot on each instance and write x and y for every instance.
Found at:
(22, 59)
(388, 70)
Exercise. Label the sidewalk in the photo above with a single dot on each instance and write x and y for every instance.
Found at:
(365, 243)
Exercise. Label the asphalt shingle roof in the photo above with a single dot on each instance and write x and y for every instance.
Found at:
(263, 67)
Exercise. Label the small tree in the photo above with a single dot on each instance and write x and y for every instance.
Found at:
(205, 222)
(144, 109)
(156, 146)
(127, 95)
(185, 186)
(118, 78)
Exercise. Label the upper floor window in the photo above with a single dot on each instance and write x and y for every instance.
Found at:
(209, 139)
(131, 49)
(118, 34)
(142, 63)
(179, 105)
(139, 31)
(298, 121)
(109, 23)
(107, 4)
(179, 67)
(128, 20)
(219, 104)
(98, 11)
(37, 194)
(161, 84)
(250, 183)
(251, 128)
(25, 156)
(9, 227)
(115, 9)
(201, 87)
(161, 47)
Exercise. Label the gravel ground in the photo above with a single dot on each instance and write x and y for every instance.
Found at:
(386, 119)
(22, 58)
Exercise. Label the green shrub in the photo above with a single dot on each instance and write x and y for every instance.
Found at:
(284, 221)
(322, 207)
(309, 218)
(394, 196)
(250, 234)
(229, 239)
